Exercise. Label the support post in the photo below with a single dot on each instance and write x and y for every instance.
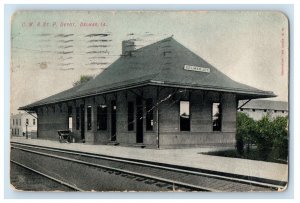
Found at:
(26, 131)
(244, 104)
(30, 113)
(157, 115)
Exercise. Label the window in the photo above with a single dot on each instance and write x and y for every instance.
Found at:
(17, 122)
(282, 111)
(77, 118)
(27, 121)
(130, 116)
(102, 117)
(265, 110)
(20, 122)
(33, 121)
(275, 111)
(70, 118)
(13, 121)
(89, 118)
(253, 110)
(70, 124)
(149, 114)
(18, 131)
(185, 116)
(217, 116)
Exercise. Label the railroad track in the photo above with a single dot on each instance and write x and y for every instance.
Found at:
(37, 178)
(167, 177)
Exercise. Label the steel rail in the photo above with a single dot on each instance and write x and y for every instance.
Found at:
(250, 182)
(49, 177)
(178, 183)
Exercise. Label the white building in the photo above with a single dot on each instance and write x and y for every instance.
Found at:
(18, 124)
(256, 109)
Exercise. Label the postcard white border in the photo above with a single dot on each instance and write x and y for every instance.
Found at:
(10, 194)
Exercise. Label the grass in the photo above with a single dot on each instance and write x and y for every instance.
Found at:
(252, 154)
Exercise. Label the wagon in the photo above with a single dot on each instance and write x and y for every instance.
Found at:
(65, 136)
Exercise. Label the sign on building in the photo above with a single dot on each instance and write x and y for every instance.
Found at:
(196, 68)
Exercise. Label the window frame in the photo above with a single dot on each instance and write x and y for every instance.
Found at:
(100, 117)
(89, 118)
(219, 129)
(70, 124)
(189, 117)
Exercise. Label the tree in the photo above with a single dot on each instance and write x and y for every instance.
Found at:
(245, 130)
(280, 141)
(264, 135)
(83, 79)
(270, 136)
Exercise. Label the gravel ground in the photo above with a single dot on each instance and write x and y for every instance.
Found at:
(26, 180)
(85, 177)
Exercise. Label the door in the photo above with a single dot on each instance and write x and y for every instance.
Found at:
(82, 122)
(139, 120)
(113, 120)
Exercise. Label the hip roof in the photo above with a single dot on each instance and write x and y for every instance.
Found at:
(164, 63)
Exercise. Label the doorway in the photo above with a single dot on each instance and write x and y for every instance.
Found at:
(82, 122)
(139, 120)
(113, 121)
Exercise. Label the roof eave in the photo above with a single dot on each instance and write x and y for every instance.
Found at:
(240, 92)
(90, 94)
(25, 108)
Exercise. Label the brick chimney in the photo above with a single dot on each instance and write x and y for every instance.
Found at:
(127, 47)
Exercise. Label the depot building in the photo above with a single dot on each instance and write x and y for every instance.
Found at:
(160, 96)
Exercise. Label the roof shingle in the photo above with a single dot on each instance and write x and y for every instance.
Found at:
(161, 63)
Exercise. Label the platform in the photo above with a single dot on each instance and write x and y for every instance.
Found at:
(191, 157)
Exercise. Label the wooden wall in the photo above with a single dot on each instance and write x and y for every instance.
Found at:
(170, 136)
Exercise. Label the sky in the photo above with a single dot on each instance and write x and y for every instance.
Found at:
(51, 49)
